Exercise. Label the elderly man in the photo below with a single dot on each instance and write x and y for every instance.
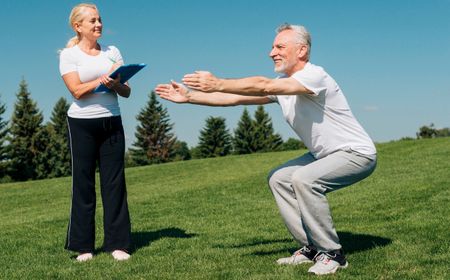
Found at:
(340, 152)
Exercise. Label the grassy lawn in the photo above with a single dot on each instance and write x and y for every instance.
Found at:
(216, 219)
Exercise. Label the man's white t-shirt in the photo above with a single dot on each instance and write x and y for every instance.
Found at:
(89, 67)
(323, 120)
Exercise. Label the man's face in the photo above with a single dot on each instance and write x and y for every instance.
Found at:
(285, 52)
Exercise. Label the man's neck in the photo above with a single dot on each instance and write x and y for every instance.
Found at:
(299, 66)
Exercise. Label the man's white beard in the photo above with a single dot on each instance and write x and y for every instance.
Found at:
(281, 69)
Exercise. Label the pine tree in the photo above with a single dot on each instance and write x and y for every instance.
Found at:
(243, 135)
(182, 151)
(25, 125)
(58, 131)
(154, 138)
(265, 139)
(3, 133)
(59, 117)
(214, 140)
(44, 150)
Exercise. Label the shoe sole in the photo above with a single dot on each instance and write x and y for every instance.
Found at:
(124, 258)
(296, 263)
(84, 259)
(331, 271)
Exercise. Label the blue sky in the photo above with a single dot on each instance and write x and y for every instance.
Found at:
(391, 58)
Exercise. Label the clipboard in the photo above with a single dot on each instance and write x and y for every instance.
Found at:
(126, 72)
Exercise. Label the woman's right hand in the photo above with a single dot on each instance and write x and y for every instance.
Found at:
(109, 82)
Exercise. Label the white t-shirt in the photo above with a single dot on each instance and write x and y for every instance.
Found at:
(323, 120)
(89, 68)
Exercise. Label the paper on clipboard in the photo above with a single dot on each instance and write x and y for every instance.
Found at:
(126, 72)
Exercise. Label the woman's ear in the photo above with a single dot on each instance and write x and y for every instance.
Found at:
(77, 27)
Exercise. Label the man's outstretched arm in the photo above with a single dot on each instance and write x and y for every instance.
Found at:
(178, 93)
(251, 86)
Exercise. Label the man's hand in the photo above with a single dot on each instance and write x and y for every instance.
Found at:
(202, 81)
(174, 92)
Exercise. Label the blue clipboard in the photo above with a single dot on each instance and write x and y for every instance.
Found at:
(125, 71)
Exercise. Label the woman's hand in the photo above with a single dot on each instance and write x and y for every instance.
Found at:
(115, 85)
(109, 82)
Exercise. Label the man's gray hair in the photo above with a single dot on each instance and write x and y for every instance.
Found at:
(302, 35)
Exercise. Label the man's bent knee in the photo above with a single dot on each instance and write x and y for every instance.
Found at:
(275, 178)
(303, 182)
(272, 178)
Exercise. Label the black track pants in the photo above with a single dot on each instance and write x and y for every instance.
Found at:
(101, 140)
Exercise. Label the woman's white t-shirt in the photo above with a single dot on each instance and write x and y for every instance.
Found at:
(89, 67)
(323, 120)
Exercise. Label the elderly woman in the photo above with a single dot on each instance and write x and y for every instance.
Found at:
(96, 135)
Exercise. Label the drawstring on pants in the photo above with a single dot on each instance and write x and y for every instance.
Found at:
(108, 127)
(107, 124)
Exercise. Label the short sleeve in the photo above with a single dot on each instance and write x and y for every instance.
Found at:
(312, 79)
(116, 56)
(67, 62)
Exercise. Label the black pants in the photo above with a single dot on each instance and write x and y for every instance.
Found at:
(101, 140)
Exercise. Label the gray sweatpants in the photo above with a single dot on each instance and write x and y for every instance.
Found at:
(299, 187)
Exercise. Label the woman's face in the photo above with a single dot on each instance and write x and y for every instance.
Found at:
(91, 25)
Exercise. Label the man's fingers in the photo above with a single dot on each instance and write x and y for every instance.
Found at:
(187, 79)
(175, 84)
(163, 86)
(189, 83)
(191, 76)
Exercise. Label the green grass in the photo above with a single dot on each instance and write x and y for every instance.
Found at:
(216, 219)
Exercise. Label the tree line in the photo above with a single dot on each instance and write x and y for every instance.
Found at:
(31, 149)
(432, 132)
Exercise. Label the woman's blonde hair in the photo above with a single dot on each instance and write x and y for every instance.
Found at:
(77, 16)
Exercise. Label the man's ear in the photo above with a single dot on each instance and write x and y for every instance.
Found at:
(302, 52)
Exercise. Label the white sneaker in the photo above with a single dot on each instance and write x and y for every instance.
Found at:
(84, 257)
(328, 263)
(120, 255)
(304, 255)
